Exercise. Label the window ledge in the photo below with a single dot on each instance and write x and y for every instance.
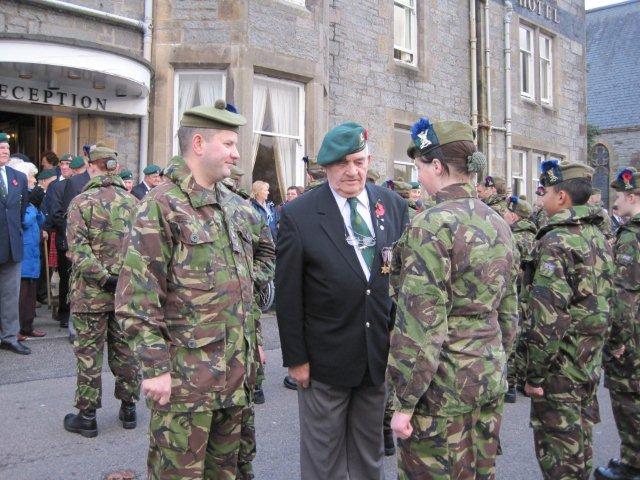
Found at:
(408, 66)
(549, 107)
(528, 100)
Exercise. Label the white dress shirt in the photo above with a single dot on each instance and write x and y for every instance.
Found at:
(365, 213)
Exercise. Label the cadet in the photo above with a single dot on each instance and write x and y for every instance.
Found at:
(373, 176)
(456, 316)
(569, 308)
(99, 219)
(404, 189)
(493, 192)
(524, 234)
(606, 226)
(186, 299)
(622, 353)
(316, 176)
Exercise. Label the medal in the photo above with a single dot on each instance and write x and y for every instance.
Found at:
(386, 253)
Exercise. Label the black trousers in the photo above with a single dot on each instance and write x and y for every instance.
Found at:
(64, 270)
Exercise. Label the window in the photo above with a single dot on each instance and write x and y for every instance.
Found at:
(546, 70)
(278, 134)
(526, 62)
(538, 158)
(192, 88)
(403, 166)
(519, 173)
(405, 32)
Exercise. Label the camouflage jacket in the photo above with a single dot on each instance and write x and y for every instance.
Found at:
(624, 374)
(456, 306)
(539, 217)
(98, 221)
(497, 202)
(314, 184)
(569, 304)
(185, 294)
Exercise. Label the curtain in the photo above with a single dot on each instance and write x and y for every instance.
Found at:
(259, 108)
(210, 89)
(284, 107)
(186, 93)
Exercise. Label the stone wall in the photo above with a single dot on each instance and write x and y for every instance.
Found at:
(624, 147)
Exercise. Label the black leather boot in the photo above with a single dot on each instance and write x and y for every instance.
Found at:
(83, 422)
(127, 415)
(389, 443)
(258, 396)
(510, 396)
(616, 470)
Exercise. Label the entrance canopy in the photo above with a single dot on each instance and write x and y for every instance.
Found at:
(69, 76)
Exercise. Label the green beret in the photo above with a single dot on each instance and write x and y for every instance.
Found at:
(627, 180)
(373, 175)
(518, 206)
(427, 136)
(415, 185)
(77, 162)
(67, 157)
(554, 172)
(126, 174)
(221, 115)
(44, 174)
(4, 138)
(596, 191)
(100, 151)
(341, 141)
(151, 169)
(236, 172)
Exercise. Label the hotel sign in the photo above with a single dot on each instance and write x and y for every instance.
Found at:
(542, 8)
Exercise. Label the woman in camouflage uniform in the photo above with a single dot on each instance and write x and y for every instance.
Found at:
(454, 279)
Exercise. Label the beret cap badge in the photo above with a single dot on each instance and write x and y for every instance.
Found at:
(627, 179)
(551, 172)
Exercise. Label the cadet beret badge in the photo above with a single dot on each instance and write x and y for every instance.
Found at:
(423, 135)
(550, 172)
(512, 202)
(540, 191)
(489, 182)
(626, 177)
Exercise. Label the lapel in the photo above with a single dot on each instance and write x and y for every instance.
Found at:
(332, 223)
(381, 227)
(11, 189)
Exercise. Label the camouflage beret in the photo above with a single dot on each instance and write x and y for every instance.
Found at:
(100, 151)
(402, 188)
(373, 175)
(427, 136)
(312, 165)
(221, 115)
(341, 141)
(67, 157)
(518, 206)
(126, 174)
(77, 162)
(596, 191)
(151, 169)
(627, 180)
(4, 138)
(45, 174)
(554, 172)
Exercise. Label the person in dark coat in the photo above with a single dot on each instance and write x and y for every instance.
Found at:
(151, 179)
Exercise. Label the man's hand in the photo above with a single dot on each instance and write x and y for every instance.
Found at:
(300, 374)
(619, 352)
(158, 388)
(263, 356)
(536, 392)
(401, 425)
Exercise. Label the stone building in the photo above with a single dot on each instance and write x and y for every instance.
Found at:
(295, 68)
(613, 88)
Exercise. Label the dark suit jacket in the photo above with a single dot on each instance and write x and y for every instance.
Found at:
(12, 209)
(139, 191)
(71, 188)
(328, 313)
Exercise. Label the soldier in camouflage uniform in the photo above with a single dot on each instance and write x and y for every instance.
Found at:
(493, 192)
(98, 220)
(454, 279)
(373, 176)
(606, 227)
(539, 216)
(569, 309)
(622, 352)
(186, 301)
(316, 175)
(404, 189)
(524, 234)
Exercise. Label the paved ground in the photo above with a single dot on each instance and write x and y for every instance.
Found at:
(37, 391)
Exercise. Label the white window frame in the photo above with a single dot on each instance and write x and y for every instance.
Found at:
(546, 63)
(522, 178)
(538, 158)
(408, 56)
(405, 163)
(176, 90)
(529, 94)
(299, 166)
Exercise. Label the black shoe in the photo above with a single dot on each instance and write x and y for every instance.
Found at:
(258, 396)
(127, 415)
(84, 423)
(510, 396)
(617, 471)
(389, 443)
(290, 383)
(64, 323)
(15, 347)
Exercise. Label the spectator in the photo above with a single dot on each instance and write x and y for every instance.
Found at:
(151, 179)
(127, 178)
(50, 160)
(31, 233)
(259, 196)
(78, 165)
(46, 179)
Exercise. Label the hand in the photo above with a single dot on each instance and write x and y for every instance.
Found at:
(300, 374)
(536, 392)
(158, 388)
(45, 235)
(263, 356)
(619, 352)
(401, 425)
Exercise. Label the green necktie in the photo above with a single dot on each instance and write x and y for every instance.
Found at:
(361, 230)
(3, 186)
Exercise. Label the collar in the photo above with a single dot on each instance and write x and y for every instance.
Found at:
(146, 185)
(574, 216)
(362, 197)
(180, 174)
(455, 191)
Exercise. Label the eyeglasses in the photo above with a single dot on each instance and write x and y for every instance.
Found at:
(359, 241)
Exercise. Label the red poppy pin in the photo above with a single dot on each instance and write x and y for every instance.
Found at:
(627, 176)
(14, 182)
(379, 209)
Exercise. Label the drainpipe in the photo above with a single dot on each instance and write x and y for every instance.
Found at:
(487, 66)
(144, 121)
(507, 85)
(473, 41)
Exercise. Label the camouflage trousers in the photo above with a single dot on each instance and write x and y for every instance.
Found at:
(563, 435)
(463, 447)
(626, 412)
(92, 331)
(388, 409)
(215, 445)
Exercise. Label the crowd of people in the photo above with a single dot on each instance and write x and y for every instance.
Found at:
(402, 315)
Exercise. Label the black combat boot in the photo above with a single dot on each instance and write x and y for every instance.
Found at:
(616, 470)
(510, 396)
(389, 443)
(83, 422)
(258, 396)
(127, 415)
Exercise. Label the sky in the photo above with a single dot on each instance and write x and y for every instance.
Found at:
(589, 4)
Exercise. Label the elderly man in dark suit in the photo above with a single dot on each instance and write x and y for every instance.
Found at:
(151, 179)
(334, 309)
(14, 198)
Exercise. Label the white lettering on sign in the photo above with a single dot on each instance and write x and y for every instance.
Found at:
(542, 8)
